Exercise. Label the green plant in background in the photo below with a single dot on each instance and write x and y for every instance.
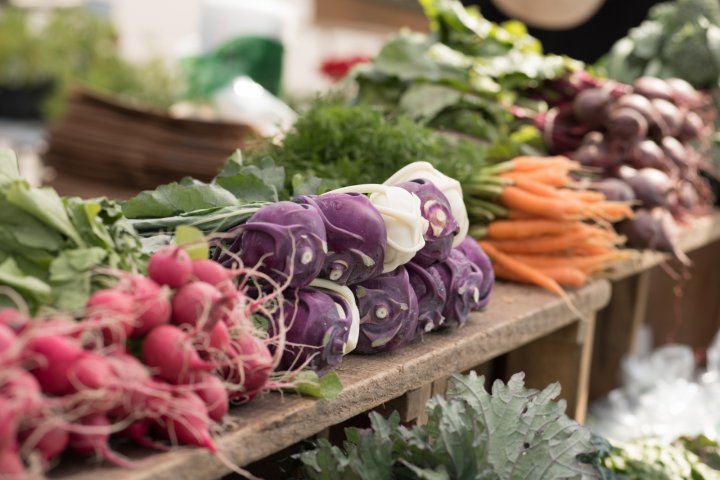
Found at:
(678, 39)
(23, 58)
(73, 46)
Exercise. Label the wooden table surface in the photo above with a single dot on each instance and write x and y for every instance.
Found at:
(516, 316)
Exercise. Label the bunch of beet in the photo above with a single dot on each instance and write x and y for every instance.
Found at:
(72, 384)
(649, 144)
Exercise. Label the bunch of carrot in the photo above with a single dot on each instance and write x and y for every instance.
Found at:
(545, 232)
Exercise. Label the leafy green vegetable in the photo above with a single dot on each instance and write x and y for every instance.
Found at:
(461, 77)
(678, 39)
(512, 433)
(706, 449)
(193, 242)
(51, 247)
(308, 383)
(230, 199)
(178, 197)
(653, 460)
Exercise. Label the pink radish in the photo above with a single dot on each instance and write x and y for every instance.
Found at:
(213, 393)
(96, 442)
(138, 433)
(7, 340)
(13, 318)
(115, 306)
(48, 441)
(91, 372)
(170, 266)
(197, 302)
(8, 424)
(168, 350)
(214, 344)
(215, 274)
(219, 339)
(54, 356)
(11, 465)
(188, 423)
(152, 305)
(250, 367)
(24, 391)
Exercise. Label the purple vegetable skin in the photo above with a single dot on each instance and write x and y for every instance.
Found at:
(614, 189)
(356, 236)
(431, 295)
(653, 229)
(314, 321)
(285, 240)
(442, 228)
(388, 312)
(470, 248)
(463, 282)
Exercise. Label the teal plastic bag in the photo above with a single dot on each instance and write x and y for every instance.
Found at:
(260, 58)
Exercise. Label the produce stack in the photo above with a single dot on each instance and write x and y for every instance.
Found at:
(647, 143)
(152, 358)
(365, 273)
(552, 235)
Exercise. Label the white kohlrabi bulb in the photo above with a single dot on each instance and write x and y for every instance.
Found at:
(405, 224)
(449, 186)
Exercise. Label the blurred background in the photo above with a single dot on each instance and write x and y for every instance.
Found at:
(99, 96)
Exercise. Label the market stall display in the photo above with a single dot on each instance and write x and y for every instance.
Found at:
(376, 225)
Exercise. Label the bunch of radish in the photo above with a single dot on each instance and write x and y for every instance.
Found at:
(646, 143)
(72, 384)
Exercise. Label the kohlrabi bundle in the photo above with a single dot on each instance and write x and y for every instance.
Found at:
(377, 265)
(648, 143)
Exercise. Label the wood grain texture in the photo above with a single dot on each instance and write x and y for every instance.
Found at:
(516, 316)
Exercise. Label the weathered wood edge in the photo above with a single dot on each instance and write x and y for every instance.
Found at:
(698, 233)
(517, 315)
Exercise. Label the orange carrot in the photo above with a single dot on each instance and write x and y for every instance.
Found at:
(538, 188)
(591, 249)
(587, 264)
(610, 211)
(568, 276)
(518, 271)
(586, 196)
(510, 229)
(518, 215)
(546, 243)
(560, 209)
(528, 164)
(554, 177)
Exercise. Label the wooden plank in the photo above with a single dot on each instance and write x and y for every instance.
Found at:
(563, 356)
(616, 331)
(516, 316)
(686, 312)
